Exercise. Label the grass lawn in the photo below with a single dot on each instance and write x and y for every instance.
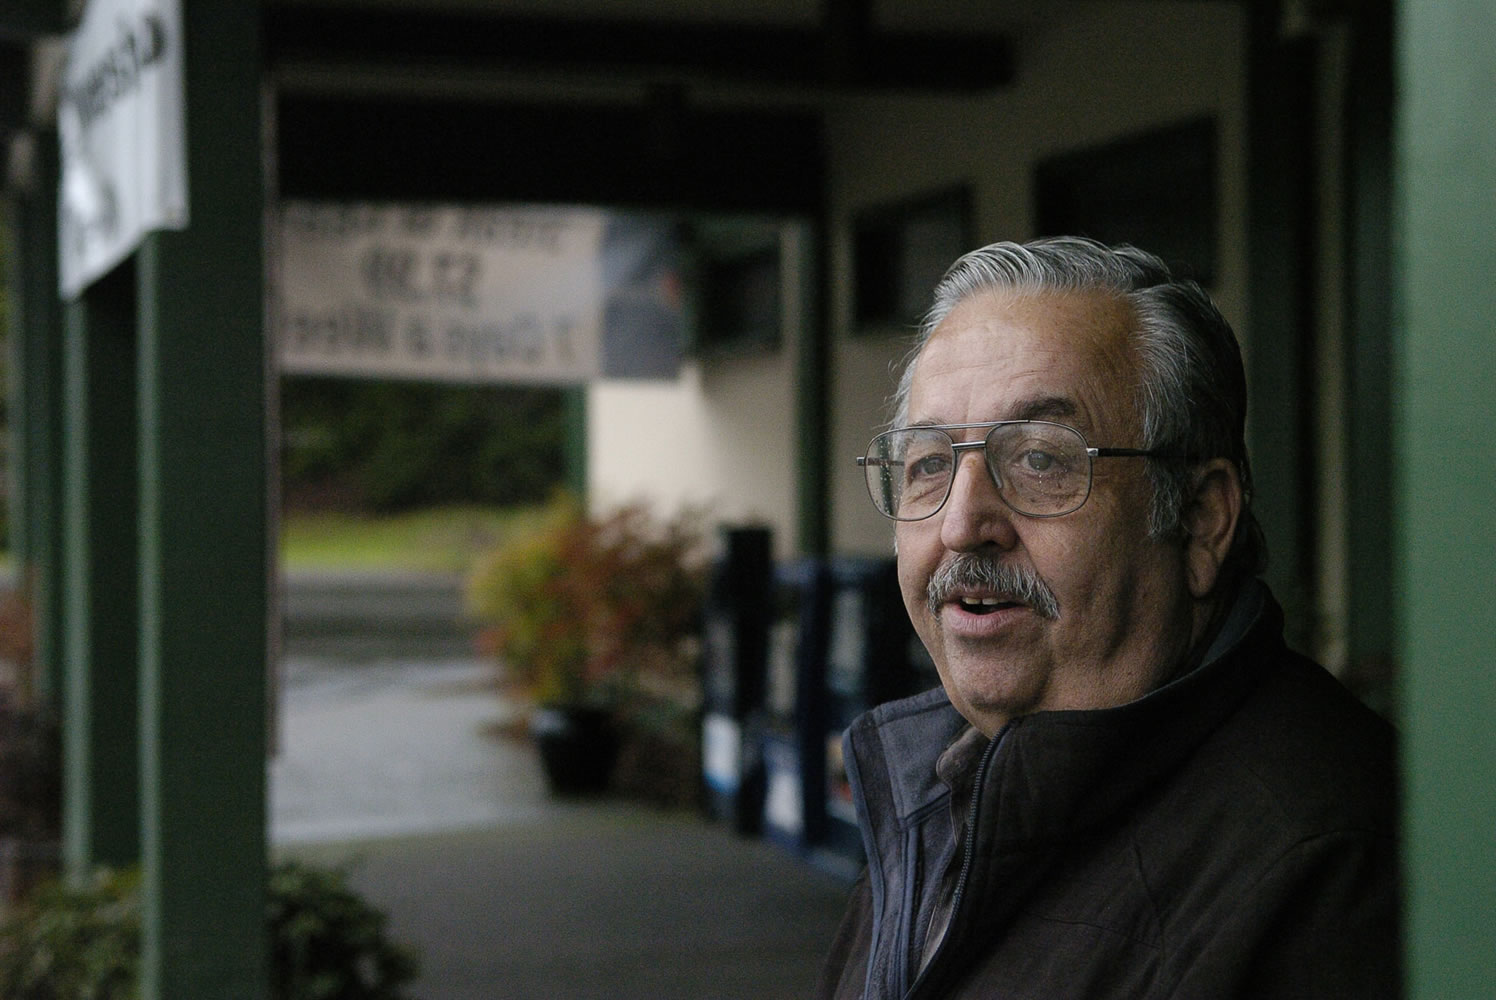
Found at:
(439, 540)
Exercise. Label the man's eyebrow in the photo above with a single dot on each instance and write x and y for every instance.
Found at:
(1045, 408)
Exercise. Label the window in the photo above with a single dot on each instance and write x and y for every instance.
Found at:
(900, 251)
(1156, 191)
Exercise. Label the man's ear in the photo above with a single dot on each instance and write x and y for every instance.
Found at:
(1210, 516)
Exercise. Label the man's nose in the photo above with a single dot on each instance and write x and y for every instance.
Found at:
(974, 514)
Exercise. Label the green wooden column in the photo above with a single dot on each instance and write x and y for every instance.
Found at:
(35, 345)
(813, 392)
(574, 403)
(35, 17)
(1368, 364)
(101, 818)
(1445, 420)
(203, 540)
(1279, 353)
(36, 402)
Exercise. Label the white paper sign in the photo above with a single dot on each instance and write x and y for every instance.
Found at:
(471, 293)
(120, 121)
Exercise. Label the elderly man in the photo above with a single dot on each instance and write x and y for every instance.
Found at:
(1128, 786)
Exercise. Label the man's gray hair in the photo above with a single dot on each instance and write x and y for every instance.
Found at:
(1192, 396)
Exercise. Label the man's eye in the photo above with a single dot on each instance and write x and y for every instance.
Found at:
(1038, 461)
(930, 466)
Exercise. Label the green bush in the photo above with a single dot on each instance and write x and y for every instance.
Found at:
(74, 942)
(83, 942)
(327, 943)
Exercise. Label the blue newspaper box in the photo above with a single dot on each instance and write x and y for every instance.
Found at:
(794, 706)
(735, 623)
(872, 656)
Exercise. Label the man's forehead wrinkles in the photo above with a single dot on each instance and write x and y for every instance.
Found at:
(939, 366)
(943, 360)
(1045, 406)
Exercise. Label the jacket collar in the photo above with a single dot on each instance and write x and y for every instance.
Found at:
(1045, 780)
(1060, 772)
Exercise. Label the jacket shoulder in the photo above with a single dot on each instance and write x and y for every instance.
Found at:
(1318, 756)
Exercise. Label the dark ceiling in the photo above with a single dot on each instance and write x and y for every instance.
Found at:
(400, 137)
(393, 113)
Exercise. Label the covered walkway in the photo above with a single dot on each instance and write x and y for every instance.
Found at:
(396, 769)
(602, 902)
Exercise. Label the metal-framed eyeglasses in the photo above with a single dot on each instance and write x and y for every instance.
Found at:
(1040, 468)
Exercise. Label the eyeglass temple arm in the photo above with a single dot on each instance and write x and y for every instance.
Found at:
(1127, 453)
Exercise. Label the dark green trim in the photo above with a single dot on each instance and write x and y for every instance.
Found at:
(1444, 418)
(335, 146)
(1281, 387)
(203, 540)
(849, 51)
(34, 18)
(574, 447)
(101, 819)
(1371, 616)
(36, 408)
(813, 394)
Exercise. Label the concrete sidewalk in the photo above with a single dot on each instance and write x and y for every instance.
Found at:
(599, 903)
(391, 767)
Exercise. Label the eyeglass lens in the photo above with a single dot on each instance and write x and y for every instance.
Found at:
(1041, 469)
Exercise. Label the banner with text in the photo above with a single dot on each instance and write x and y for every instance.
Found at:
(470, 293)
(120, 124)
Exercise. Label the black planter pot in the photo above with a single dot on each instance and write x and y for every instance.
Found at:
(578, 747)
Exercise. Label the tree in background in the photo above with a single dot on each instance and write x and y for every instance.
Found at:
(385, 446)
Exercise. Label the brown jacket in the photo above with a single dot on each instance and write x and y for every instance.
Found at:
(1231, 834)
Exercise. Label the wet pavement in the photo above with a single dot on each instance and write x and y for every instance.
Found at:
(393, 747)
(396, 768)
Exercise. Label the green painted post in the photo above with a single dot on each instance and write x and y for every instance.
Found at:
(1368, 380)
(23, 18)
(203, 540)
(101, 817)
(812, 394)
(574, 446)
(35, 347)
(1281, 329)
(36, 406)
(1445, 420)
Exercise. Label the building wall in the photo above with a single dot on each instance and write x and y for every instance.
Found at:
(1110, 71)
(723, 434)
(721, 437)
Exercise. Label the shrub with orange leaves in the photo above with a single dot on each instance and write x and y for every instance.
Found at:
(584, 610)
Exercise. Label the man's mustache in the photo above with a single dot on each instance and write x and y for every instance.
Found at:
(971, 571)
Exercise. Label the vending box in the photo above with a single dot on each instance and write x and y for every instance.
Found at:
(735, 624)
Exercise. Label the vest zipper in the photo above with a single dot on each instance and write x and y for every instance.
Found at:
(968, 855)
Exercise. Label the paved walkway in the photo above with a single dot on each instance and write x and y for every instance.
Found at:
(391, 768)
(395, 746)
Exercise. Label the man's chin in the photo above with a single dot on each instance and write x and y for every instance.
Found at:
(987, 716)
(989, 690)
